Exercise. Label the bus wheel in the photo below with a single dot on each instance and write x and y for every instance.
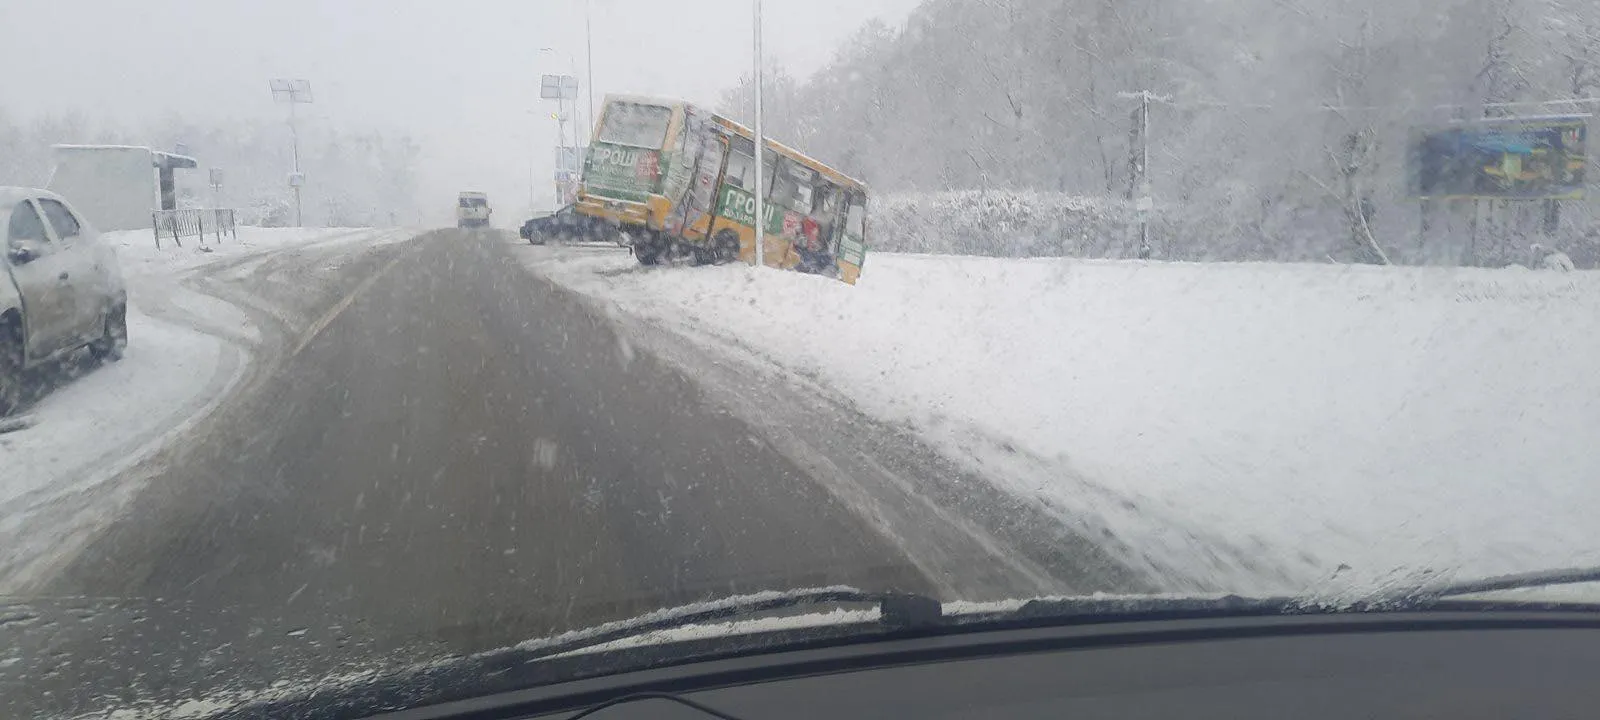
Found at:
(647, 250)
(725, 247)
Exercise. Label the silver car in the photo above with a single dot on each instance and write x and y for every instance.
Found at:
(61, 289)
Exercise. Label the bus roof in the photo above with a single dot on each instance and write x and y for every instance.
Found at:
(641, 100)
(793, 154)
(796, 155)
(473, 193)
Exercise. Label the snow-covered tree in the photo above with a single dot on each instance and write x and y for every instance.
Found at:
(1281, 128)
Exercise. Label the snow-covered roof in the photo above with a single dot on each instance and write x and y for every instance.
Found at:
(158, 157)
(68, 146)
(642, 100)
(11, 195)
(174, 160)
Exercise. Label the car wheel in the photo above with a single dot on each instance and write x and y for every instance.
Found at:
(11, 379)
(114, 338)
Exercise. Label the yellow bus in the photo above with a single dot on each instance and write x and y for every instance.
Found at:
(679, 181)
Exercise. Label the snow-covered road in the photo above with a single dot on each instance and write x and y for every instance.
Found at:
(1246, 427)
(69, 471)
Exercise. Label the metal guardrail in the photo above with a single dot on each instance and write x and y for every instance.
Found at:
(193, 223)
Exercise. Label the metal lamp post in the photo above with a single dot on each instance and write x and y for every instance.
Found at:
(564, 90)
(588, 65)
(293, 91)
(761, 144)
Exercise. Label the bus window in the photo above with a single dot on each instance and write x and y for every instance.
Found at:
(741, 166)
(741, 169)
(793, 188)
(855, 220)
(634, 124)
(772, 170)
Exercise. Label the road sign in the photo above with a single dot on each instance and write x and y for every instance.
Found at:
(291, 90)
(558, 87)
(216, 177)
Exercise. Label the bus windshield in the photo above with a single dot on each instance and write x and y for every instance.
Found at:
(636, 125)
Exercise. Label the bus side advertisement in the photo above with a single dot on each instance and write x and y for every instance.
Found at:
(621, 172)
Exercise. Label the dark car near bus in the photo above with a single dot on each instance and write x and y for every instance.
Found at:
(567, 226)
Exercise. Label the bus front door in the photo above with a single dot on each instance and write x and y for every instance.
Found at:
(699, 204)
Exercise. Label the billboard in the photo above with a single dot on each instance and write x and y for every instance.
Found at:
(1501, 159)
(558, 87)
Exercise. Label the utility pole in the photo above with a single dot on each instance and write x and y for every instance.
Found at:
(761, 146)
(296, 180)
(1139, 175)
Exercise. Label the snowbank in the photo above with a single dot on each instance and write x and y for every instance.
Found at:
(140, 257)
(1004, 223)
(1246, 427)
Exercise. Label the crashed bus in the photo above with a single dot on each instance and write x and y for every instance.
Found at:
(679, 181)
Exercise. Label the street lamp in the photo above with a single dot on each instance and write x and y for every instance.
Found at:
(572, 72)
(293, 91)
(564, 90)
(761, 145)
(588, 63)
(533, 149)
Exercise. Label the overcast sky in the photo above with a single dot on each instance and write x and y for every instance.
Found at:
(461, 76)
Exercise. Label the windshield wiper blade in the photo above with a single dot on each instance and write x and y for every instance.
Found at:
(897, 611)
(1519, 581)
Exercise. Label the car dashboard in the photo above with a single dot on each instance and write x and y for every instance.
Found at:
(1399, 665)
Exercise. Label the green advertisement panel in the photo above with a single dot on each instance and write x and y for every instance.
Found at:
(852, 250)
(621, 172)
(739, 205)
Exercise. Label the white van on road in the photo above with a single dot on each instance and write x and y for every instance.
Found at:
(61, 289)
(472, 210)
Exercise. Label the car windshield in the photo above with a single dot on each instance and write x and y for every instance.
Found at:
(988, 301)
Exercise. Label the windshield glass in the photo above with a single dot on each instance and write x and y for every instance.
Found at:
(635, 124)
(989, 301)
(793, 188)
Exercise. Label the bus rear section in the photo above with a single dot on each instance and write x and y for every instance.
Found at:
(814, 216)
(472, 210)
(627, 162)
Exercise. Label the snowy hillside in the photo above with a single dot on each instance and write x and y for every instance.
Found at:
(1247, 426)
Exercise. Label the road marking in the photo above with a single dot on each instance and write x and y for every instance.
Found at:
(327, 318)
